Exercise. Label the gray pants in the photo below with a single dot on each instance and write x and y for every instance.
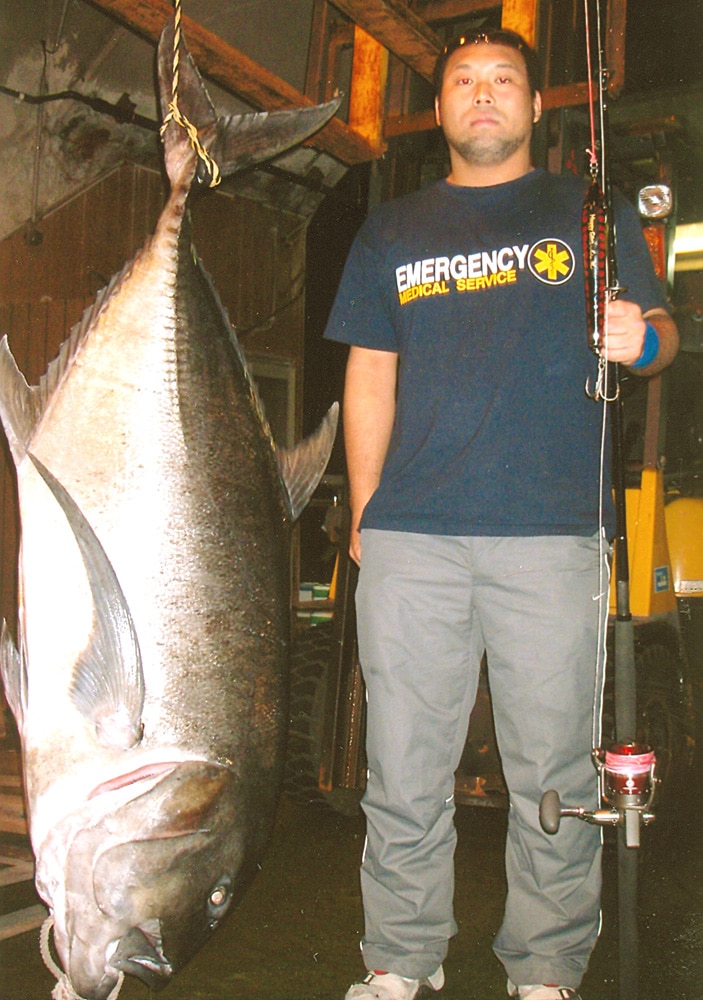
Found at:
(427, 608)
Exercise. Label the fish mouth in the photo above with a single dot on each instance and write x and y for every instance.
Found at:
(143, 882)
(139, 953)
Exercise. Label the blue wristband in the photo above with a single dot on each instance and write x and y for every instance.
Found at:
(650, 348)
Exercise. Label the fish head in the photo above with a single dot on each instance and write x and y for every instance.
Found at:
(146, 885)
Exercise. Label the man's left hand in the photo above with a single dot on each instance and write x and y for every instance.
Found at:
(626, 331)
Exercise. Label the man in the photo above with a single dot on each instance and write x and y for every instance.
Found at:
(473, 457)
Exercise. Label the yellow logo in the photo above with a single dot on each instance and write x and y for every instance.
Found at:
(552, 261)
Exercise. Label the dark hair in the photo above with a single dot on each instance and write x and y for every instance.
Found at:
(491, 36)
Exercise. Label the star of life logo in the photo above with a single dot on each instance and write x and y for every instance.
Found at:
(551, 261)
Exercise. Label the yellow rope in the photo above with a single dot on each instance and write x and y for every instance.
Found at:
(63, 990)
(174, 112)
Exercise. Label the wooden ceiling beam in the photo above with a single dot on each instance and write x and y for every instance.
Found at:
(434, 11)
(567, 96)
(521, 16)
(399, 29)
(237, 73)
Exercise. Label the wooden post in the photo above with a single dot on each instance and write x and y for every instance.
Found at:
(521, 16)
(368, 89)
(615, 45)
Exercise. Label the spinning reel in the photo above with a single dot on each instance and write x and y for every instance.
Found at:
(627, 783)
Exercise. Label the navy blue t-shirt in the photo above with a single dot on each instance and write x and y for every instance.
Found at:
(480, 292)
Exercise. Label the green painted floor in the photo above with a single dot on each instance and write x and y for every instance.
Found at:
(296, 934)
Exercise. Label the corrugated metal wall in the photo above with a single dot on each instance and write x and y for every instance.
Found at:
(254, 253)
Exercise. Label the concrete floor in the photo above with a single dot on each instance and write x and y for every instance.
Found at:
(295, 936)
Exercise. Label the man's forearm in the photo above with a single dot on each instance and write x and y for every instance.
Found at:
(668, 342)
(369, 411)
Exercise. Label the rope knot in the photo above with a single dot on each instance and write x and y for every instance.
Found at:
(63, 990)
(211, 169)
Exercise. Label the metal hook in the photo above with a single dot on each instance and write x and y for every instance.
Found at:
(600, 393)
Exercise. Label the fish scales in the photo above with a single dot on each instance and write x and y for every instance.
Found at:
(149, 678)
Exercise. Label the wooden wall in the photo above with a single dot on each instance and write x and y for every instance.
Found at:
(254, 253)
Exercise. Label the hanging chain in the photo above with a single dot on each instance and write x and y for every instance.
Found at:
(174, 112)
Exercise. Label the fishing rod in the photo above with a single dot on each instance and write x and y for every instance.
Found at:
(626, 770)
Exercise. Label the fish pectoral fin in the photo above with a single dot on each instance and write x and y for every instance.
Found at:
(19, 406)
(107, 686)
(302, 467)
(14, 676)
(233, 141)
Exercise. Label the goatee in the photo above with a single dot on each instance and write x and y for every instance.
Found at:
(487, 151)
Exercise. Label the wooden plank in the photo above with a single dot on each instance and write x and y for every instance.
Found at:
(12, 817)
(32, 365)
(368, 87)
(15, 865)
(10, 546)
(236, 72)
(569, 95)
(402, 32)
(398, 90)
(14, 870)
(419, 121)
(435, 11)
(317, 52)
(615, 45)
(521, 16)
(22, 921)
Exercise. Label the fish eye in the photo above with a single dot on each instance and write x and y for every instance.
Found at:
(218, 896)
(219, 900)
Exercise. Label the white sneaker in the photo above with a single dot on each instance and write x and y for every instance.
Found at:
(388, 986)
(542, 992)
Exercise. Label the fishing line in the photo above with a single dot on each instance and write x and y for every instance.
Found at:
(174, 112)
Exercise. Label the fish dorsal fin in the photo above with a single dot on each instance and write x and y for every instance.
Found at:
(233, 141)
(49, 382)
(13, 670)
(21, 405)
(107, 686)
(302, 467)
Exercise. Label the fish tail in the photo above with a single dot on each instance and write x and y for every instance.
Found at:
(232, 142)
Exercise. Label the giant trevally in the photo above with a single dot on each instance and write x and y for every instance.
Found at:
(148, 678)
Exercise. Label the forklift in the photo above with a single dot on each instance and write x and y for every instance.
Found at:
(664, 502)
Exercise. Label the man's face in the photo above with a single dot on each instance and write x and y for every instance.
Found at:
(485, 106)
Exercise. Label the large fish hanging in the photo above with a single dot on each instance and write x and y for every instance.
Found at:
(149, 675)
